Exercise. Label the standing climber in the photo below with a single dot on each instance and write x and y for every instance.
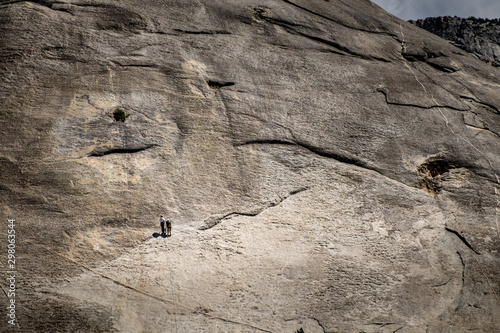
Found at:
(162, 225)
(169, 228)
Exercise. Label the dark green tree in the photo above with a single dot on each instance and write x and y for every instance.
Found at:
(120, 115)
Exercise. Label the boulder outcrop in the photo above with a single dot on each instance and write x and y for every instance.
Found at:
(325, 166)
(474, 35)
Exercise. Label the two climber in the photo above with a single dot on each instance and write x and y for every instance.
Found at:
(166, 223)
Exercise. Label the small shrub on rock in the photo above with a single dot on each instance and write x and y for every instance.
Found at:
(120, 115)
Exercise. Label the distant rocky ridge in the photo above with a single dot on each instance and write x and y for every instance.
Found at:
(326, 166)
(475, 35)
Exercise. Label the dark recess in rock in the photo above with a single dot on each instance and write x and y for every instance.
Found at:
(432, 172)
(217, 85)
(462, 238)
(431, 185)
(435, 168)
(204, 32)
(103, 152)
(120, 115)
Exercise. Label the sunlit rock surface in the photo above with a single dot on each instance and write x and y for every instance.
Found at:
(325, 166)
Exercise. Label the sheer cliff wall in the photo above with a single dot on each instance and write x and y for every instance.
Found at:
(325, 165)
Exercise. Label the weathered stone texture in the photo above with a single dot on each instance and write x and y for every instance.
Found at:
(325, 164)
(475, 35)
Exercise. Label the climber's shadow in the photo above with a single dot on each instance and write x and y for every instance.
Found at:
(156, 235)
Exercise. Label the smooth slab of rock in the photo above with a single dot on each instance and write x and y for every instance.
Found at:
(325, 166)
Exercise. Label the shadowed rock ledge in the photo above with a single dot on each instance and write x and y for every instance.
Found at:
(325, 166)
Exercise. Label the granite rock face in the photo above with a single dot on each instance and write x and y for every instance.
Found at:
(474, 35)
(325, 165)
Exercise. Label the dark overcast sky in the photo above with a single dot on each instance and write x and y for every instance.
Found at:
(415, 9)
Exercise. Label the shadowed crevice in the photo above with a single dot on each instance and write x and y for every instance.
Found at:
(462, 238)
(318, 151)
(475, 120)
(319, 324)
(103, 152)
(124, 64)
(486, 106)
(468, 124)
(217, 85)
(203, 32)
(46, 4)
(337, 156)
(344, 50)
(215, 220)
(267, 142)
(386, 95)
(290, 27)
(443, 67)
(435, 167)
(340, 23)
